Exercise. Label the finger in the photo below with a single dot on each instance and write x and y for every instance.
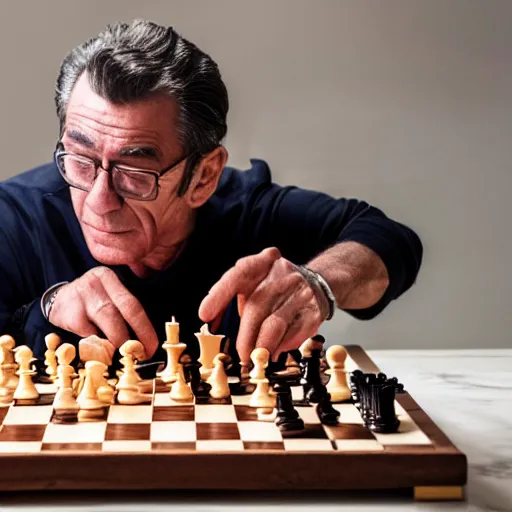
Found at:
(103, 312)
(242, 279)
(270, 295)
(297, 319)
(131, 310)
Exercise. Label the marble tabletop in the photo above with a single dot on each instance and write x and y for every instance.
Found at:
(468, 393)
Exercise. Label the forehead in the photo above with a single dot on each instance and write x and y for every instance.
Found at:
(152, 120)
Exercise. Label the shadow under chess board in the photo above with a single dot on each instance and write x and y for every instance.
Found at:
(246, 451)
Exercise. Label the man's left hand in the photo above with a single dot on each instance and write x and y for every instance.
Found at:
(277, 306)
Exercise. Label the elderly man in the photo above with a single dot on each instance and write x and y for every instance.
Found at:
(139, 219)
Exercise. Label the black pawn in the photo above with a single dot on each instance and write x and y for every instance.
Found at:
(326, 412)
(199, 387)
(287, 417)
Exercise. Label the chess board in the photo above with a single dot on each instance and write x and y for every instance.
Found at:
(172, 445)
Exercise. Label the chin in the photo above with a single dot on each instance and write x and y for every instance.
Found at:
(122, 254)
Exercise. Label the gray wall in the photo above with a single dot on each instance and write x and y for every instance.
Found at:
(403, 103)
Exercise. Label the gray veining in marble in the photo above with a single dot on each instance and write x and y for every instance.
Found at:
(467, 393)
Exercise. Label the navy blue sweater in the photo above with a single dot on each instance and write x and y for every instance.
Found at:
(41, 243)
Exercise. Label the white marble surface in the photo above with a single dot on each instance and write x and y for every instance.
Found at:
(467, 393)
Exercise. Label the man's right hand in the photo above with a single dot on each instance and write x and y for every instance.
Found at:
(98, 300)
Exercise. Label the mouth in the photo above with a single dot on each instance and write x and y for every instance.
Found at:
(107, 231)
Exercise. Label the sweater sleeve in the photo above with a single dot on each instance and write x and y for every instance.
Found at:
(303, 223)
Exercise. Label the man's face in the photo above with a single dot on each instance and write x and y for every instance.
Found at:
(142, 135)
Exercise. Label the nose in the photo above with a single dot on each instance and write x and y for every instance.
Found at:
(102, 198)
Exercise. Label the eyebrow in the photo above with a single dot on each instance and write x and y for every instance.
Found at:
(140, 151)
(81, 138)
(135, 151)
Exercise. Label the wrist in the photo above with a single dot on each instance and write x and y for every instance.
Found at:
(326, 298)
(48, 299)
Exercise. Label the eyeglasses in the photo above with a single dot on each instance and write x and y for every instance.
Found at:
(129, 182)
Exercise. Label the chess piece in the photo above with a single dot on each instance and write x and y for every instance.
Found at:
(287, 417)
(65, 405)
(128, 386)
(94, 348)
(91, 407)
(8, 368)
(218, 378)
(180, 390)
(26, 392)
(260, 357)
(52, 341)
(209, 345)
(337, 386)
(311, 351)
(261, 397)
(174, 350)
(191, 370)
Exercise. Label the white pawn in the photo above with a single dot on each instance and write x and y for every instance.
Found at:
(260, 357)
(65, 405)
(180, 390)
(128, 386)
(261, 397)
(218, 378)
(337, 386)
(91, 407)
(52, 341)
(26, 389)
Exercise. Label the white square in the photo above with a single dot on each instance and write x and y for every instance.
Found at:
(126, 446)
(358, 445)
(46, 389)
(173, 431)
(29, 415)
(408, 433)
(259, 431)
(220, 446)
(308, 414)
(20, 447)
(164, 400)
(308, 445)
(297, 393)
(130, 414)
(86, 432)
(349, 414)
(215, 413)
(240, 399)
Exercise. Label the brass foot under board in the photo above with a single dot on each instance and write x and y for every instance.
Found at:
(438, 493)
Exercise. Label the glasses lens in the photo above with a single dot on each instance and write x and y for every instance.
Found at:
(134, 184)
(78, 171)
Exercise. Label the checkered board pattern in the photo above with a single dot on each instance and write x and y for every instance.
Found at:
(164, 424)
(222, 445)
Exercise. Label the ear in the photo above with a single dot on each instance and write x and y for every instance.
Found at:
(206, 178)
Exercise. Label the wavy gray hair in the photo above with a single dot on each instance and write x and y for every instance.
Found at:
(127, 62)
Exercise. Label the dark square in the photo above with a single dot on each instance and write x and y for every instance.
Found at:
(3, 413)
(349, 431)
(262, 445)
(127, 432)
(22, 432)
(246, 413)
(310, 431)
(83, 447)
(174, 446)
(174, 413)
(161, 386)
(217, 431)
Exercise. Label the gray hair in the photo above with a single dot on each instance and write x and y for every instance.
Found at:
(127, 62)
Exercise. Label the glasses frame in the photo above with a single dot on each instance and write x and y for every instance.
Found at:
(60, 152)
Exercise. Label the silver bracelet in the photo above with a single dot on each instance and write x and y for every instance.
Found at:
(312, 276)
(48, 299)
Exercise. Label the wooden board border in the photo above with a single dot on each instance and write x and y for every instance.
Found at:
(166, 470)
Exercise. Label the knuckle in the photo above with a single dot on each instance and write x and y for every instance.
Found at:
(103, 308)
